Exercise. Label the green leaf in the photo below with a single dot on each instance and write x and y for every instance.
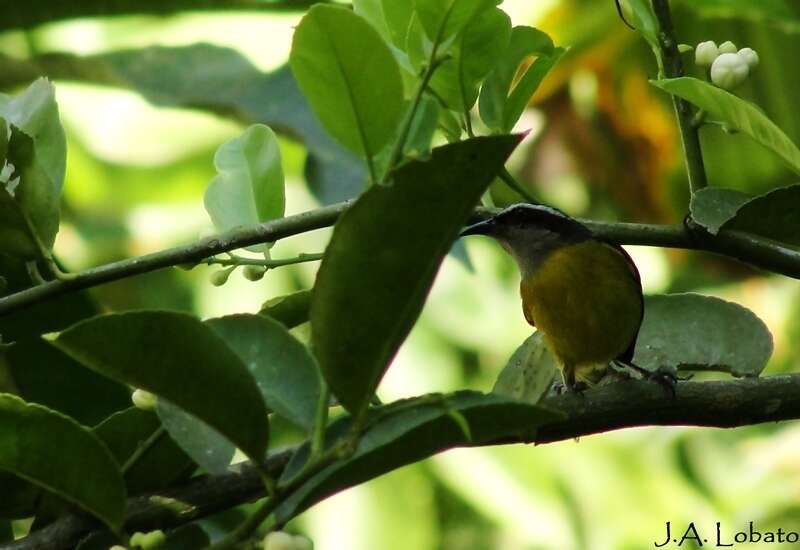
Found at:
(529, 373)
(179, 358)
(713, 206)
(45, 375)
(19, 497)
(443, 19)
(389, 17)
(736, 113)
(200, 76)
(58, 454)
(775, 12)
(207, 447)
(249, 187)
(291, 310)
(409, 431)
(772, 215)
(694, 332)
(473, 55)
(644, 21)
(50, 316)
(423, 126)
(162, 465)
(349, 76)
(283, 368)
(362, 310)
(42, 162)
(505, 93)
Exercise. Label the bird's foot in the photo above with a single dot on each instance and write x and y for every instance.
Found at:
(665, 377)
(577, 388)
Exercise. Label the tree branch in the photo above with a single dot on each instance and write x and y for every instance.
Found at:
(751, 249)
(626, 404)
(673, 68)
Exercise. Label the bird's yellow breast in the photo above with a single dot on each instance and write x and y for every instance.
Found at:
(587, 300)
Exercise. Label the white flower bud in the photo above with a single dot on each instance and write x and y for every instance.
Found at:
(750, 56)
(254, 272)
(706, 53)
(727, 47)
(278, 540)
(729, 70)
(144, 400)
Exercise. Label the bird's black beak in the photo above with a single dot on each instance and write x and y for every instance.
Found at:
(486, 227)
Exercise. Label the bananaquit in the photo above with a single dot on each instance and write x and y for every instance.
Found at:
(584, 294)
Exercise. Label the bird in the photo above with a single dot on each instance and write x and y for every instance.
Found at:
(583, 293)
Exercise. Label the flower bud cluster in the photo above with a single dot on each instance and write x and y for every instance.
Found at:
(729, 66)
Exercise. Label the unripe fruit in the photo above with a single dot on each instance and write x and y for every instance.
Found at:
(219, 278)
(750, 57)
(706, 53)
(254, 272)
(144, 400)
(153, 539)
(727, 47)
(278, 540)
(729, 70)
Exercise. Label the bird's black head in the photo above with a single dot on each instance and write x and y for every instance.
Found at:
(530, 219)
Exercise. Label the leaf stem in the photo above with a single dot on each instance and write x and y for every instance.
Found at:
(673, 68)
(269, 264)
(142, 448)
(405, 128)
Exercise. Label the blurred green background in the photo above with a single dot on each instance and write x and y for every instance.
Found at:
(604, 145)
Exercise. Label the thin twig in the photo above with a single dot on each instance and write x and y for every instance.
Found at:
(751, 249)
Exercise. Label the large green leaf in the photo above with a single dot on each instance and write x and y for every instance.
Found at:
(389, 17)
(529, 373)
(383, 256)
(472, 56)
(19, 235)
(781, 13)
(176, 356)
(772, 215)
(207, 447)
(163, 464)
(409, 431)
(202, 76)
(249, 186)
(505, 93)
(290, 310)
(45, 375)
(736, 113)
(443, 19)
(41, 164)
(58, 454)
(349, 76)
(283, 368)
(694, 332)
(712, 207)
